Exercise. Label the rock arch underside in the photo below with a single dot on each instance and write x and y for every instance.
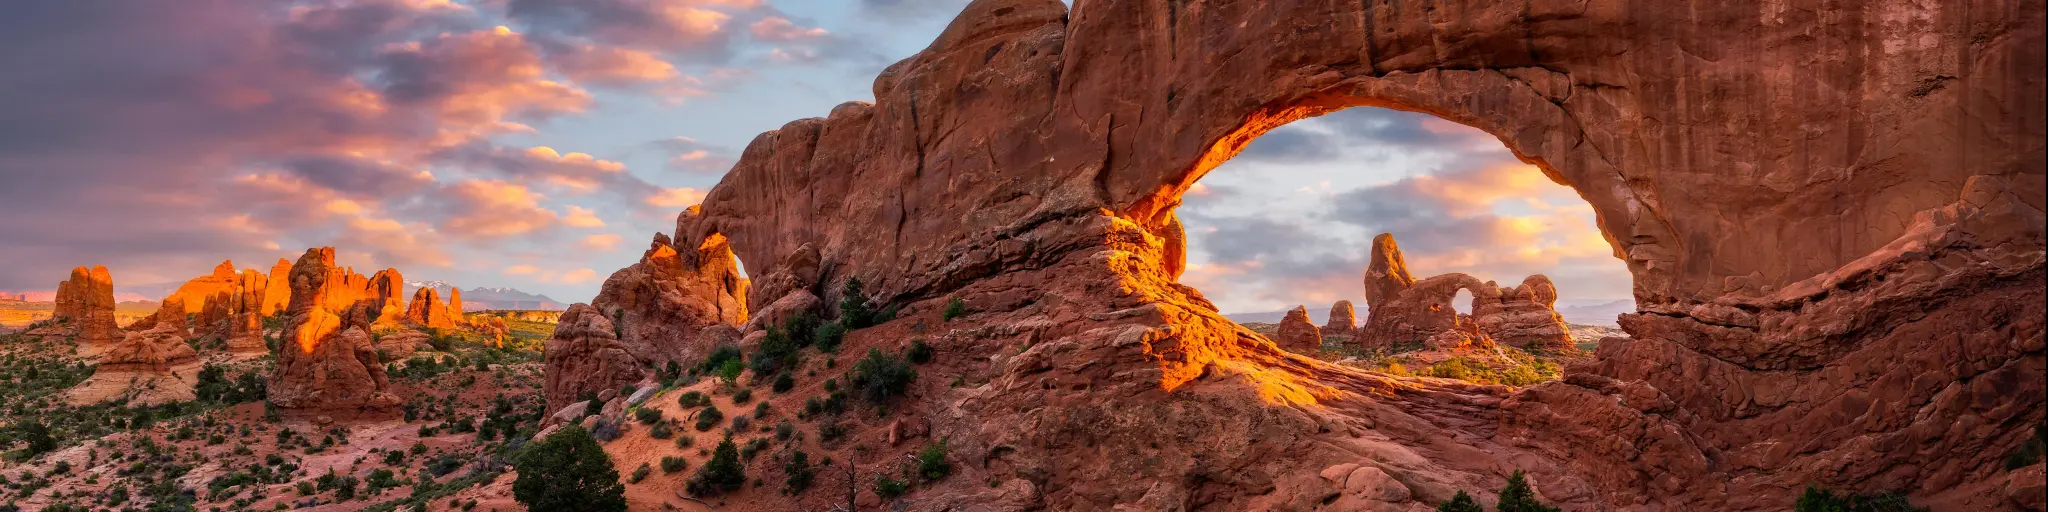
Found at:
(1832, 212)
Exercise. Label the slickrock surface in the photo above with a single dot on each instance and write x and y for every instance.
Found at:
(328, 361)
(1833, 215)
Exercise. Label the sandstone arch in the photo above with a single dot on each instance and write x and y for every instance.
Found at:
(1825, 209)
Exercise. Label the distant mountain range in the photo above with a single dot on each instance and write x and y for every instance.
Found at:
(1584, 312)
(481, 298)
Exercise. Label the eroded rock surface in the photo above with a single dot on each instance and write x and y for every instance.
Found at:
(1405, 311)
(427, 310)
(85, 305)
(585, 357)
(1297, 333)
(1839, 281)
(328, 360)
(1343, 320)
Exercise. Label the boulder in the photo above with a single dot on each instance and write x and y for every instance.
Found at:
(328, 360)
(795, 303)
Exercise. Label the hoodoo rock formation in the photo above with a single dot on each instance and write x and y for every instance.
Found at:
(85, 303)
(455, 303)
(427, 310)
(1343, 320)
(1835, 231)
(1406, 311)
(1297, 333)
(279, 295)
(658, 310)
(328, 361)
(388, 288)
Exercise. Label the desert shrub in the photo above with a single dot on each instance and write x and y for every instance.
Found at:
(567, 471)
(606, 430)
(828, 336)
(741, 422)
(722, 474)
(955, 308)
(640, 473)
(35, 437)
(661, 431)
(673, 464)
(784, 430)
(647, 415)
(801, 328)
(730, 371)
(708, 418)
(890, 488)
(919, 352)
(931, 462)
(1453, 368)
(854, 310)
(1460, 503)
(1816, 499)
(693, 399)
(1517, 497)
(742, 395)
(783, 383)
(797, 473)
(762, 409)
(777, 352)
(720, 355)
(881, 377)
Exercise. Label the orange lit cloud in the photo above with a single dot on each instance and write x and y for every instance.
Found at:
(676, 198)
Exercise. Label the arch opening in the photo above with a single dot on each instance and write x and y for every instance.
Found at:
(1453, 254)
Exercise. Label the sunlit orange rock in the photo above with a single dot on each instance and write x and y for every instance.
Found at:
(1343, 320)
(85, 306)
(427, 310)
(1832, 214)
(279, 293)
(388, 288)
(328, 360)
(196, 291)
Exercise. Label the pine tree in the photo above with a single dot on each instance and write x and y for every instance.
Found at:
(722, 474)
(568, 471)
(1517, 497)
(854, 311)
(1460, 503)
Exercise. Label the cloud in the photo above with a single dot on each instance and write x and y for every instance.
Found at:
(912, 9)
(1360, 133)
(580, 217)
(684, 154)
(676, 198)
(602, 242)
(488, 209)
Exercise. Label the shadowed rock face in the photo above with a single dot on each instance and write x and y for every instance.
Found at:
(1343, 319)
(1833, 215)
(328, 361)
(1296, 333)
(659, 309)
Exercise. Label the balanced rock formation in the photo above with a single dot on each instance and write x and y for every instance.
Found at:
(85, 303)
(1343, 320)
(328, 360)
(278, 295)
(427, 310)
(658, 307)
(1296, 333)
(1832, 213)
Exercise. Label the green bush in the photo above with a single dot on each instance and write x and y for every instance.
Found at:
(722, 474)
(1816, 499)
(730, 371)
(1460, 503)
(797, 473)
(708, 418)
(919, 352)
(955, 308)
(890, 488)
(783, 383)
(742, 395)
(881, 377)
(567, 471)
(931, 462)
(778, 351)
(693, 399)
(828, 336)
(720, 355)
(854, 310)
(640, 473)
(673, 464)
(647, 415)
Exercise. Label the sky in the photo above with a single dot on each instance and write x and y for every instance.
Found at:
(539, 145)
